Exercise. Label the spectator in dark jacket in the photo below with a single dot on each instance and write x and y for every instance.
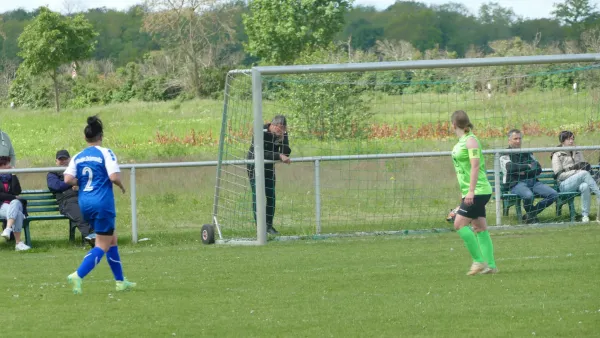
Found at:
(12, 208)
(276, 148)
(67, 198)
(520, 174)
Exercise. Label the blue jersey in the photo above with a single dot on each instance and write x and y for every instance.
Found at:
(92, 168)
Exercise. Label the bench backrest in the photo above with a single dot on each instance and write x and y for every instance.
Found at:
(40, 201)
(546, 177)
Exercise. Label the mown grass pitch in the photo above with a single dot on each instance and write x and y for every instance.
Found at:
(548, 285)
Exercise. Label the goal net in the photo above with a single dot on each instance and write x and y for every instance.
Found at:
(371, 148)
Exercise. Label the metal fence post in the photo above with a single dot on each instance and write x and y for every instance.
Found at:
(134, 230)
(318, 195)
(497, 192)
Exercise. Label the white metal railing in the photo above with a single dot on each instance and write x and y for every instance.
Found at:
(316, 162)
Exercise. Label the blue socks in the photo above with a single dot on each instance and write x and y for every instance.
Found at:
(112, 256)
(90, 261)
(94, 257)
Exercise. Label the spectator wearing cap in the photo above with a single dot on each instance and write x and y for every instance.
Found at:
(276, 148)
(67, 197)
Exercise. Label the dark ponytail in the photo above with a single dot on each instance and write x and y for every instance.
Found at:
(469, 128)
(93, 131)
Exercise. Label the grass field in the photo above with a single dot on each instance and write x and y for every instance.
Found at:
(370, 286)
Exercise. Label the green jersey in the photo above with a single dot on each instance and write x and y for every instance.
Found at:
(461, 156)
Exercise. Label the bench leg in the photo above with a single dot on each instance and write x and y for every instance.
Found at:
(26, 231)
(519, 211)
(572, 209)
(71, 232)
(72, 228)
(559, 205)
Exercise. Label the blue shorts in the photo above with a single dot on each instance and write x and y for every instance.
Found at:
(103, 226)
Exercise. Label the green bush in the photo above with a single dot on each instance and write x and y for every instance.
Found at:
(212, 81)
(390, 82)
(32, 92)
(129, 77)
(325, 106)
(157, 89)
(556, 80)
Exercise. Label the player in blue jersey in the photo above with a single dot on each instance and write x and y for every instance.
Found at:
(95, 170)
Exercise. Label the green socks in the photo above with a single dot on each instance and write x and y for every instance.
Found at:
(471, 243)
(487, 248)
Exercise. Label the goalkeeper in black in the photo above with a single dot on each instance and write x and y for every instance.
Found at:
(276, 148)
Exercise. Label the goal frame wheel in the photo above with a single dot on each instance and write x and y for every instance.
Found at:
(208, 234)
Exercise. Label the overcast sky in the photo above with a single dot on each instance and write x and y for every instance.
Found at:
(525, 8)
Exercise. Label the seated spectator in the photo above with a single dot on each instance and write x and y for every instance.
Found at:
(67, 198)
(520, 172)
(573, 174)
(12, 208)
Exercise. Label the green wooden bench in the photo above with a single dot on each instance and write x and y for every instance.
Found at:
(42, 206)
(547, 177)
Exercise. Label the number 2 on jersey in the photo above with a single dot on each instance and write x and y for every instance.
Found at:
(88, 185)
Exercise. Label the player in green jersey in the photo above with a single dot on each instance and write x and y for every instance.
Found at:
(476, 192)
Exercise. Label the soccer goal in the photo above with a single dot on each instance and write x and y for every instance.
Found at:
(371, 142)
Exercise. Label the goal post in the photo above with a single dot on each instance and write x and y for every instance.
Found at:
(259, 159)
(244, 117)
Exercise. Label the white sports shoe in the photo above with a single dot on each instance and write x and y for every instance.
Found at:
(6, 233)
(489, 271)
(476, 268)
(585, 219)
(22, 247)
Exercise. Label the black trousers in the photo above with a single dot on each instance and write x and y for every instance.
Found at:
(70, 208)
(269, 192)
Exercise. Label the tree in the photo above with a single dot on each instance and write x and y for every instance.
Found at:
(573, 12)
(3, 38)
(52, 40)
(363, 34)
(195, 30)
(278, 31)
(459, 28)
(361, 28)
(120, 37)
(496, 21)
(548, 30)
(413, 22)
(11, 29)
(493, 13)
(325, 106)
